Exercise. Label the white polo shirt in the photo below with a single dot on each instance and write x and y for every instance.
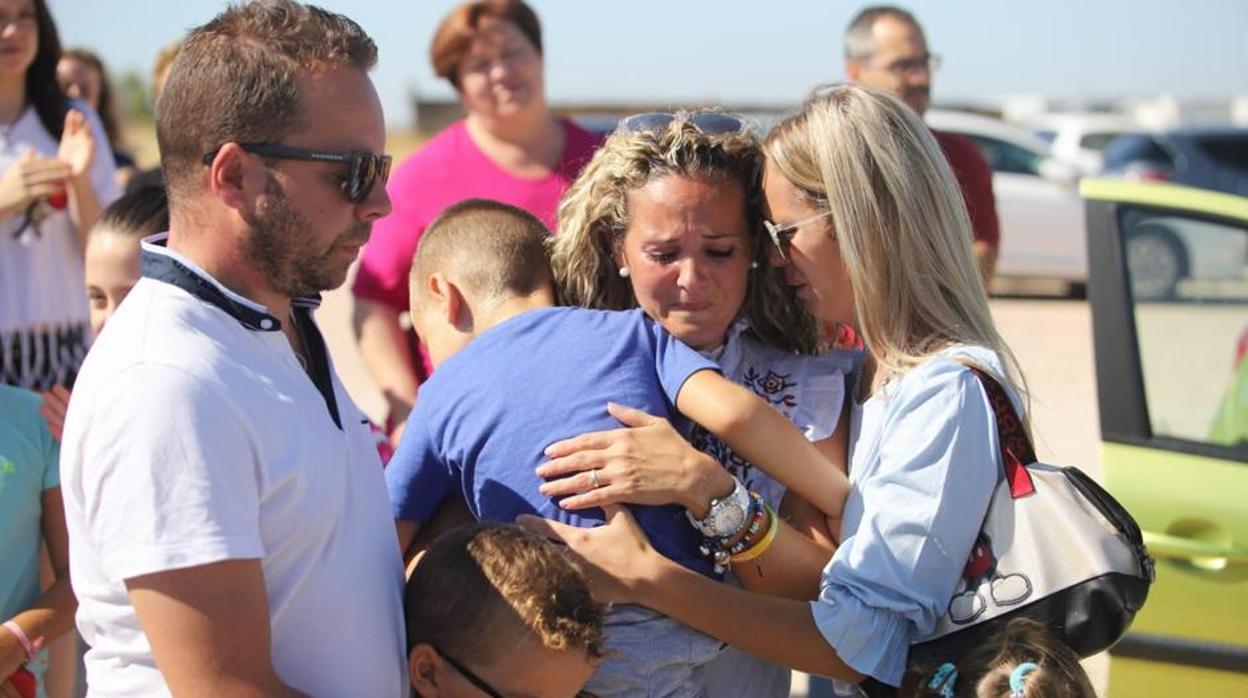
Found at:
(196, 436)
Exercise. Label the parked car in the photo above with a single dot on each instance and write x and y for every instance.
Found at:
(1208, 158)
(1080, 138)
(1165, 372)
(1037, 203)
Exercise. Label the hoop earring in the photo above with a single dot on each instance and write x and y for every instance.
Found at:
(624, 272)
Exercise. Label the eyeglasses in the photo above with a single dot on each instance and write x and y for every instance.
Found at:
(364, 169)
(709, 123)
(782, 235)
(472, 678)
(927, 63)
(480, 683)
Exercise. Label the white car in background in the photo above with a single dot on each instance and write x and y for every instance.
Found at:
(1079, 138)
(1038, 204)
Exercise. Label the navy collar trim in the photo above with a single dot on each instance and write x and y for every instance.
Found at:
(162, 264)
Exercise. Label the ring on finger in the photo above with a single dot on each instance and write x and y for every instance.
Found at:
(593, 479)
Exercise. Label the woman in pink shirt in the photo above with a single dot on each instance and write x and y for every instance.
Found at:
(510, 147)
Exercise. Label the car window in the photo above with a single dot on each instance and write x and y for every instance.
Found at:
(1189, 285)
(1097, 141)
(1135, 148)
(1007, 157)
(1226, 150)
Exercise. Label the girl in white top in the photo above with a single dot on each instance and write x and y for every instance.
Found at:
(56, 174)
(869, 229)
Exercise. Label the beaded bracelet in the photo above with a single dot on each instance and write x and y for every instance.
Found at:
(719, 550)
(761, 546)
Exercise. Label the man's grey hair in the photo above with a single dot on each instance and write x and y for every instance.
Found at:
(858, 41)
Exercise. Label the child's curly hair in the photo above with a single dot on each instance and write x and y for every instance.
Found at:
(483, 588)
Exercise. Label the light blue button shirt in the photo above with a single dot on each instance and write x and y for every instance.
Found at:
(923, 464)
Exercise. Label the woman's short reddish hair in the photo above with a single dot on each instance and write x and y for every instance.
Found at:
(454, 35)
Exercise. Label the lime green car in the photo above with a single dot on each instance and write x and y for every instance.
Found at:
(1168, 287)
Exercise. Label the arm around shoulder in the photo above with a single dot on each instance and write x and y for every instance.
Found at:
(764, 437)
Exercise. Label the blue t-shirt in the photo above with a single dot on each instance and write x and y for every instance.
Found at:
(28, 466)
(486, 415)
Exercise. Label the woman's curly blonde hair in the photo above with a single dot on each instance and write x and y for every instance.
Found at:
(593, 217)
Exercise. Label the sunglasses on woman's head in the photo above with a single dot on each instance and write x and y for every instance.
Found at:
(710, 123)
(364, 169)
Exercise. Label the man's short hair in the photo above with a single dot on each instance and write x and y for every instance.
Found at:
(236, 79)
(482, 589)
(858, 41)
(160, 67)
(494, 250)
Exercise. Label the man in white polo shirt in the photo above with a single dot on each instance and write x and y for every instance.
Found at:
(229, 523)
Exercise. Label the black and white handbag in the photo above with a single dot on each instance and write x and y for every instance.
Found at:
(1054, 547)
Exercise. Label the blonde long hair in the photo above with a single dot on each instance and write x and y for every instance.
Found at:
(900, 223)
(593, 217)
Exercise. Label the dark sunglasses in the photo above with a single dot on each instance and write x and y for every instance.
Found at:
(710, 123)
(481, 683)
(364, 169)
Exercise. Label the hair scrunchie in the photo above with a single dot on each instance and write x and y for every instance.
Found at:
(944, 680)
(1018, 678)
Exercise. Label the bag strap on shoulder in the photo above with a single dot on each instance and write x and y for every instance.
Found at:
(1016, 450)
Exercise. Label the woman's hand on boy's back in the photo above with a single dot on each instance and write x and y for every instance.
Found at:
(646, 462)
(616, 557)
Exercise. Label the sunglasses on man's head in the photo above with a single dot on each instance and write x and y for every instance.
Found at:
(364, 169)
(710, 123)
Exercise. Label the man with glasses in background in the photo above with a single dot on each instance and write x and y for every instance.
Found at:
(885, 48)
(224, 498)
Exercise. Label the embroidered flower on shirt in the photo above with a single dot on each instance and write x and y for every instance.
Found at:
(773, 387)
(710, 444)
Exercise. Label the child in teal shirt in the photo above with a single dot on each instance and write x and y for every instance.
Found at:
(30, 513)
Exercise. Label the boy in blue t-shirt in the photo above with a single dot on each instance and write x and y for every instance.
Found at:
(515, 374)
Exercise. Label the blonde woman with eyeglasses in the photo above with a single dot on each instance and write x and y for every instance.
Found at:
(869, 229)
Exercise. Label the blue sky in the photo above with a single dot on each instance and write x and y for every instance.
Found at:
(692, 52)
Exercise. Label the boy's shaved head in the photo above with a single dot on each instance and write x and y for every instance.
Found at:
(491, 249)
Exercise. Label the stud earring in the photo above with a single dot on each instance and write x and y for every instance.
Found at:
(754, 264)
(624, 273)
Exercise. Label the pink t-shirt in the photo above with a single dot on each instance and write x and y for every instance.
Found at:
(447, 170)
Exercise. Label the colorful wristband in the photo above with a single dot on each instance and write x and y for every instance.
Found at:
(761, 547)
(718, 548)
(22, 639)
